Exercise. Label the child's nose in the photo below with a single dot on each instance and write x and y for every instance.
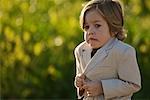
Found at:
(91, 31)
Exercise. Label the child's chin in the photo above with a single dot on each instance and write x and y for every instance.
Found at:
(92, 45)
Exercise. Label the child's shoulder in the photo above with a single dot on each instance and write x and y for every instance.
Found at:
(121, 47)
(81, 46)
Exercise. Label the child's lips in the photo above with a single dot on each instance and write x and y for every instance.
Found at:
(92, 39)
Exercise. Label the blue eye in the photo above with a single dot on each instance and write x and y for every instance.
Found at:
(97, 25)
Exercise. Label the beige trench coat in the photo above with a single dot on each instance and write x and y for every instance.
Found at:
(114, 64)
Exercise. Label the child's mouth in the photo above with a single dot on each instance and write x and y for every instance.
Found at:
(93, 39)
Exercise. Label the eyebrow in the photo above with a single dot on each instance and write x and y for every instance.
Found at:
(95, 21)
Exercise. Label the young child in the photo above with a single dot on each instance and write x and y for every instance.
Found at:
(106, 68)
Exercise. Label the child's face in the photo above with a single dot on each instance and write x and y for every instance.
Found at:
(96, 29)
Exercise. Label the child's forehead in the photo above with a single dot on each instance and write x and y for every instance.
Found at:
(94, 16)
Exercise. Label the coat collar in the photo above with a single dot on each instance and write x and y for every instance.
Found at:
(90, 63)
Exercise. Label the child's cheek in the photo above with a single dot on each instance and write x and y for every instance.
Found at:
(86, 37)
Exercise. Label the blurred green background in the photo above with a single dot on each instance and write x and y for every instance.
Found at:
(37, 39)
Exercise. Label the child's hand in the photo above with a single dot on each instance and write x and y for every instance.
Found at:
(93, 88)
(79, 81)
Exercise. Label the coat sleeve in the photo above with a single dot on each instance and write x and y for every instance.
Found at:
(129, 80)
(78, 71)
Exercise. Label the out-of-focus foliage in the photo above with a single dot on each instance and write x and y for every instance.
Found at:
(37, 39)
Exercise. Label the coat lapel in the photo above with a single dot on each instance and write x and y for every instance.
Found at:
(86, 55)
(100, 54)
(98, 57)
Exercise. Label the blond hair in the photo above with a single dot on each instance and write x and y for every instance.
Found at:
(112, 12)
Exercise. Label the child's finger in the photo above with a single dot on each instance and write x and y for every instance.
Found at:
(79, 80)
(82, 76)
(85, 86)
